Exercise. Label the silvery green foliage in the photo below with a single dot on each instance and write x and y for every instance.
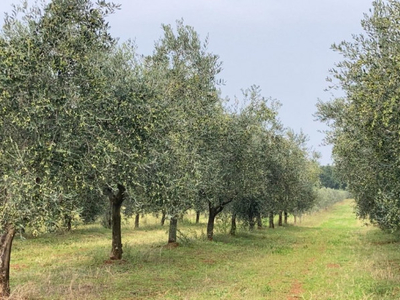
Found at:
(365, 123)
(53, 84)
(184, 78)
(269, 167)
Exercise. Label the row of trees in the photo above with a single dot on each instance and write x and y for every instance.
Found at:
(330, 179)
(83, 118)
(365, 122)
(326, 197)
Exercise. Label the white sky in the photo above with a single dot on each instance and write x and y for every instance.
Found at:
(281, 45)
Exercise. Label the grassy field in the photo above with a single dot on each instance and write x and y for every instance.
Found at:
(330, 255)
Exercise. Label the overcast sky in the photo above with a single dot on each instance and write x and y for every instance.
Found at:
(283, 46)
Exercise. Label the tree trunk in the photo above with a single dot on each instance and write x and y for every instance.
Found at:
(163, 218)
(211, 220)
(68, 222)
(137, 218)
(6, 240)
(271, 220)
(252, 223)
(259, 221)
(213, 212)
(173, 228)
(285, 217)
(295, 219)
(197, 217)
(233, 225)
(116, 203)
(280, 221)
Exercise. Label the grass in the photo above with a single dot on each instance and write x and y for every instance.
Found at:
(330, 255)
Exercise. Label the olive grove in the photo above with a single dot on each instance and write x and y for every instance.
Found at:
(87, 125)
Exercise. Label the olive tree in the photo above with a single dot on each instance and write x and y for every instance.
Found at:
(50, 82)
(365, 122)
(184, 78)
(230, 158)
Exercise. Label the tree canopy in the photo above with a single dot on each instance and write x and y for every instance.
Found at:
(330, 179)
(365, 121)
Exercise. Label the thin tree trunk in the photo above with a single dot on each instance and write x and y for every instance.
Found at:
(286, 215)
(271, 220)
(68, 222)
(163, 218)
(259, 221)
(211, 220)
(116, 202)
(5, 256)
(173, 228)
(197, 217)
(280, 221)
(295, 219)
(137, 218)
(233, 225)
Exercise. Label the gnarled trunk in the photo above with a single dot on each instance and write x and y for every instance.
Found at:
(213, 211)
(271, 220)
(5, 256)
(286, 215)
(173, 228)
(233, 225)
(280, 221)
(116, 203)
(137, 218)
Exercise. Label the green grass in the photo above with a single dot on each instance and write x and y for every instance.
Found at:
(330, 255)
